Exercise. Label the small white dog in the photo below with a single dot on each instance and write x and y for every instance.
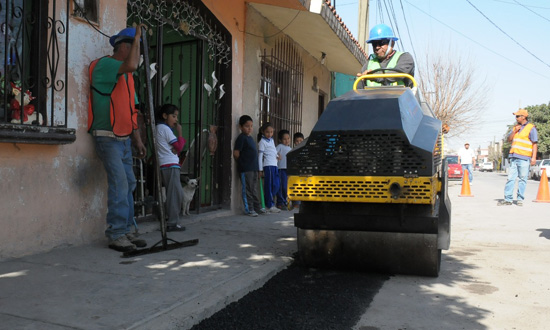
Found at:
(189, 188)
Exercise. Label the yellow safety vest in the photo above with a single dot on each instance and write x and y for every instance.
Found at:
(521, 144)
(374, 64)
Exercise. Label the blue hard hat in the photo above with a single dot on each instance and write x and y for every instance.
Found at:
(381, 32)
(127, 34)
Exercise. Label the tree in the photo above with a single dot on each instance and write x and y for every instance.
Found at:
(453, 90)
(539, 115)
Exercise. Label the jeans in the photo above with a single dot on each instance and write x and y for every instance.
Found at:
(271, 185)
(470, 171)
(282, 193)
(174, 194)
(249, 191)
(519, 168)
(117, 159)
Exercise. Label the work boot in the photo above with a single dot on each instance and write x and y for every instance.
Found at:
(136, 241)
(501, 203)
(121, 244)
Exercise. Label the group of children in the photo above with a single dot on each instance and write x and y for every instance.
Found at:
(267, 162)
(254, 161)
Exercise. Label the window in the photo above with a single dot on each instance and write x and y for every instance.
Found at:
(33, 72)
(452, 159)
(281, 87)
(86, 9)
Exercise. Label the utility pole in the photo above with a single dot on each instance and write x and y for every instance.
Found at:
(363, 24)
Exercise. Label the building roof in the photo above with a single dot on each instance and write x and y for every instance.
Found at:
(318, 29)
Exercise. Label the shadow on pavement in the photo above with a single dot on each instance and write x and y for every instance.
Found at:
(544, 233)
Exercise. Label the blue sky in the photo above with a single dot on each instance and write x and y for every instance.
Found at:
(506, 40)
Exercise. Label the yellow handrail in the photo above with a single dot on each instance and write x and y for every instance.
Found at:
(384, 75)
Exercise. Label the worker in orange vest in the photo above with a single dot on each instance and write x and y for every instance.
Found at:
(112, 120)
(524, 138)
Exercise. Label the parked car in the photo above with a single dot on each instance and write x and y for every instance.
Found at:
(534, 171)
(486, 166)
(454, 169)
(544, 164)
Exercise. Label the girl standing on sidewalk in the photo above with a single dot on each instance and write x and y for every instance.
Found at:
(168, 148)
(267, 159)
(282, 149)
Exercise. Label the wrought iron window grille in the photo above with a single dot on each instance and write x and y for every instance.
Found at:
(33, 72)
(281, 87)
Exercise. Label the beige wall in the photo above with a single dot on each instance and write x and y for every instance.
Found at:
(255, 43)
(56, 195)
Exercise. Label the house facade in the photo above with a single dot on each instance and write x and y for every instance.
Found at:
(216, 60)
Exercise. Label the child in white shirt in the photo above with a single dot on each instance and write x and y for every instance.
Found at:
(267, 160)
(282, 149)
(168, 148)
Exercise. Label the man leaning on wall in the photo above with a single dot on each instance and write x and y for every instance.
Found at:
(112, 121)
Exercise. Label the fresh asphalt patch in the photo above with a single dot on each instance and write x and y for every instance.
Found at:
(301, 298)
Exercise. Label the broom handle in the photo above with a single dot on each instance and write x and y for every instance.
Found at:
(151, 115)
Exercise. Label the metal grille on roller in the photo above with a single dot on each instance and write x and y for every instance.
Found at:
(363, 189)
(368, 154)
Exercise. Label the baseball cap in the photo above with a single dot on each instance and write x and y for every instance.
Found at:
(521, 112)
(466, 144)
(126, 34)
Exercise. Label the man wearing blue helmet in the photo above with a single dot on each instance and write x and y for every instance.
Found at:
(112, 120)
(384, 56)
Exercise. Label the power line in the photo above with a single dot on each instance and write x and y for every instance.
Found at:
(465, 36)
(539, 15)
(540, 7)
(506, 34)
(396, 25)
(408, 30)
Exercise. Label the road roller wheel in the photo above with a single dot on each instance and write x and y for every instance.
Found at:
(395, 253)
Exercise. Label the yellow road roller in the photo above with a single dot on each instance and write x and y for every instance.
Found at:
(372, 184)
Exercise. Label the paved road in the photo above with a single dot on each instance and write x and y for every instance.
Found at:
(495, 275)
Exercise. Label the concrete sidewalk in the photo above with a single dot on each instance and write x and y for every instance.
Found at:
(92, 287)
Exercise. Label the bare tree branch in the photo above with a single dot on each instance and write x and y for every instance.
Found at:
(454, 91)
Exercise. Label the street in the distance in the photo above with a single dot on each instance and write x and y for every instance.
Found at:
(494, 276)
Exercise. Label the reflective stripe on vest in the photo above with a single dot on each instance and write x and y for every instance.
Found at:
(123, 113)
(374, 64)
(521, 144)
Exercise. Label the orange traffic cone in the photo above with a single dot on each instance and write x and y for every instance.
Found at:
(543, 196)
(465, 186)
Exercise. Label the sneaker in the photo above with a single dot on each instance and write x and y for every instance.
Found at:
(253, 214)
(519, 203)
(471, 183)
(282, 207)
(501, 203)
(121, 244)
(262, 211)
(273, 209)
(175, 228)
(136, 241)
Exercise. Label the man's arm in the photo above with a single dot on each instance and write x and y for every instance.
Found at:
(405, 64)
(513, 132)
(131, 62)
(136, 139)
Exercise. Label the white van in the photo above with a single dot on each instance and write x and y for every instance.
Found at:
(486, 166)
